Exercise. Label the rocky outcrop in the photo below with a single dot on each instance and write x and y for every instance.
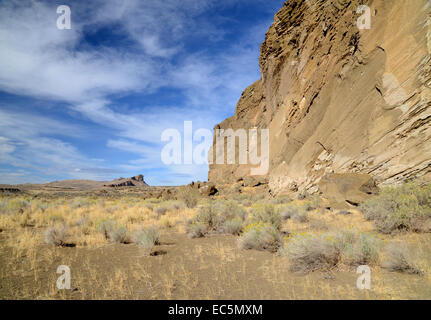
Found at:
(338, 99)
(137, 181)
(347, 189)
(4, 189)
(205, 188)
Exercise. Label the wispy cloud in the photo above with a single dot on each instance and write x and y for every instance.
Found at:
(163, 53)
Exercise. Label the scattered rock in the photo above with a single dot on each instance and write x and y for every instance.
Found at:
(206, 189)
(346, 190)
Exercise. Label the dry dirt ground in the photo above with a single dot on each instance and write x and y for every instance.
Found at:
(213, 267)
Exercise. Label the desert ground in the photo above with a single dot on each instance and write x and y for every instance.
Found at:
(124, 244)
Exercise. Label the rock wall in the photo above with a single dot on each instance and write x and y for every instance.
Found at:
(338, 99)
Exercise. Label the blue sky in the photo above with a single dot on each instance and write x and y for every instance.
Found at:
(92, 102)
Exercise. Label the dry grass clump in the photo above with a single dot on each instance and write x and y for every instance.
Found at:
(196, 230)
(113, 232)
(247, 203)
(249, 197)
(233, 227)
(313, 202)
(218, 216)
(281, 200)
(90, 221)
(105, 227)
(318, 224)
(161, 211)
(406, 207)
(147, 238)
(23, 219)
(289, 210)
(190, 196)
(119, 235)
(359, 249)
(295, 211)
(301, 216)
(79, 203)
(112, 209)
(265, 213)
(12, 205)
(208, 216)
(261, 236)
(149, 206)
(56, 235)
(163, 208)
(399, 258)
(309, 252)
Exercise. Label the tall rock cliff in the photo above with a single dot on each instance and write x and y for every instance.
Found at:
(340, 99)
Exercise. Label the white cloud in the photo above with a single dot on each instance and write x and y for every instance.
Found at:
(39, 61)
(24, 144)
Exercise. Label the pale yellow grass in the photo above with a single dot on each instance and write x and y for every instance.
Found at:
(83, 221)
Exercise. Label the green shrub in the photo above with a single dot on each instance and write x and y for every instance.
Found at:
(265, 213)
(399, 208)
(261, 236)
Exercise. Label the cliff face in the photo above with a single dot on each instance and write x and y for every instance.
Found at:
(338, 99)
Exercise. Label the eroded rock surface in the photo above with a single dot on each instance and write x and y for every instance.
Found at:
(338, 99)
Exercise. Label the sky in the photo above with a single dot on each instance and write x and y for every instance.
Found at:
(91, 102)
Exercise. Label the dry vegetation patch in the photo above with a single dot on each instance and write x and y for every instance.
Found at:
(307, 239)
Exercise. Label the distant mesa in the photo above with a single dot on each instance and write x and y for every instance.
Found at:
(79, 185)
(137, 181)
